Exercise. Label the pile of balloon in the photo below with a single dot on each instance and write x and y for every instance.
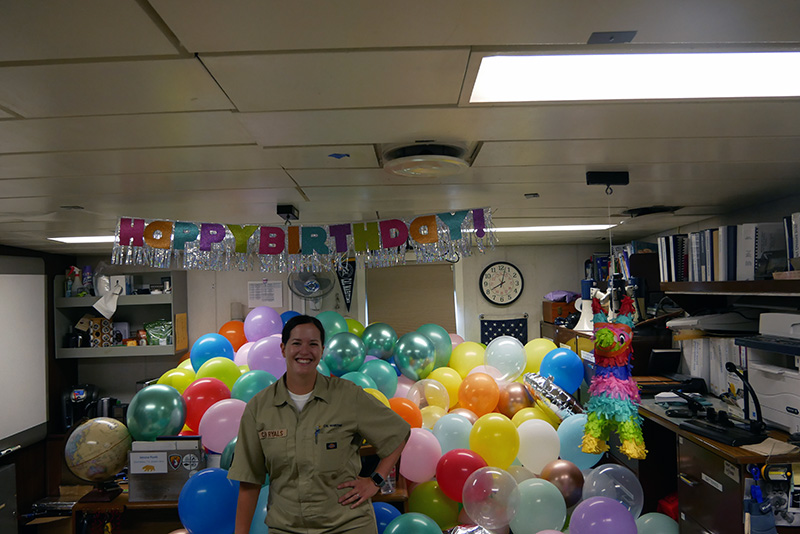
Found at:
(494, 448)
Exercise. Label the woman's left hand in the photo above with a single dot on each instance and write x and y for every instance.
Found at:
(361, 490)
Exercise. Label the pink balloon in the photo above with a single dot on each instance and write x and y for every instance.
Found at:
(220, 423)
(369, 357)
(261, 322)
(266, 355)
(403, 385)
(420, 456)
(455, 339)
(241, 355)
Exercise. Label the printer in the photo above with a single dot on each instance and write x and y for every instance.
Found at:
(773, 365)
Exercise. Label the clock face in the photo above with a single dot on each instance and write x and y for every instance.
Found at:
(501, 283)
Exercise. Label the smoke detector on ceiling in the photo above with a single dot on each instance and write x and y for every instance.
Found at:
(425, 160)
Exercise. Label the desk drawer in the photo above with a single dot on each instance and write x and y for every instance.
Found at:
(709, 489)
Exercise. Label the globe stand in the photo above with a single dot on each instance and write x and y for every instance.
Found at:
(102, 492)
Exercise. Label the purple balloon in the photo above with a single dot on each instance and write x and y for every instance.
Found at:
(262, 322)
(266, 355)
(241, 355)
(602, 515)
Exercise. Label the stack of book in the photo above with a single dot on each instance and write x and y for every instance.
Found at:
(750, 251)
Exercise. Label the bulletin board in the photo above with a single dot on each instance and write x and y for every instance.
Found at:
(23, 351)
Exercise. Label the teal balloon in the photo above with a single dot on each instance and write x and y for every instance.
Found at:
(258, 525)
(360, 379)
(570, 435)
(442, 343)
(250, 383)
(157, 410)
(379, 340)
(541, 507)
(322, 368)
(655, 523)
(452, 431)
(412, 523)
(226, 459)
(414, 355)
(343, 353)
(383, 374)
(333, 323)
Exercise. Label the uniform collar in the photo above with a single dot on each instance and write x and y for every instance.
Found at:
(321, 390)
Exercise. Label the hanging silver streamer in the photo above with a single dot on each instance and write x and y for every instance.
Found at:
(222, 255)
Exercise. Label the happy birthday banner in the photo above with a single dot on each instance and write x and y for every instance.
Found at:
(222, 247)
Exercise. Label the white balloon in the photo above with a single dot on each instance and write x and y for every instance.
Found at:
(538, 444)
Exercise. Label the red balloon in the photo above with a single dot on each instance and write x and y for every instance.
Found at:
(233, 331)
(201, 395)
(454, 468)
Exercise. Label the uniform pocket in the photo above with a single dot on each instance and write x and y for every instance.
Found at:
(275, 453)
(333, 451)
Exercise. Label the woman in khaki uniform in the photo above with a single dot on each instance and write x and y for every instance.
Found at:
(305, 432)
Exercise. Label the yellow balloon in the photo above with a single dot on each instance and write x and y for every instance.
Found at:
(431, 414)
(496, 439)
(354, 327)
(220, 368)
(552, 418)
(378, 395)
(244, 369)
(450, 379)
(538, 411)
(177, 378)
(466, 357)
(535, 349)
(186, 364)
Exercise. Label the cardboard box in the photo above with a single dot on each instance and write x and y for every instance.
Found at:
(552, 310)
(157, 470)
(101, 332)
(125, 281)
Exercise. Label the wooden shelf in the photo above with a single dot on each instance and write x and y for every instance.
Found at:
(773, 288)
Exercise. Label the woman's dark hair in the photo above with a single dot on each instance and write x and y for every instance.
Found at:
(298, 320)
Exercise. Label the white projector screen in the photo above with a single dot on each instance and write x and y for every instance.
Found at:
(23, 351)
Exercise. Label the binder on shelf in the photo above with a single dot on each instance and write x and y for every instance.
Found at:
(728, 236)
(761, 250)
(679, 257)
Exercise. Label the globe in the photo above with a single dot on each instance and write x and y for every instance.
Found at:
(98, 449)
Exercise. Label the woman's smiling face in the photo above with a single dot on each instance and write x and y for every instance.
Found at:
(303, 350)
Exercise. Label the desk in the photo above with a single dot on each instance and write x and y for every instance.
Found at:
(709, 476)
(128, 517)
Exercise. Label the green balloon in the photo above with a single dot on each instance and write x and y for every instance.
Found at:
(541, 507)
(442, 343)
(226, 459)
(250, 383)
(157, 410)
(333, 323)
(414, 355)
(344, 353)
(379, 340)
(360, 379)
(383, 374)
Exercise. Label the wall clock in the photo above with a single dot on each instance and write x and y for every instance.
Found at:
(501, 283)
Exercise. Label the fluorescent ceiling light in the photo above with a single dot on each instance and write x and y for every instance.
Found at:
(563, 228)
(637, 77)
(84, 239)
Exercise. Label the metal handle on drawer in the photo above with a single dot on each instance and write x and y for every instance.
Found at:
(687, 480)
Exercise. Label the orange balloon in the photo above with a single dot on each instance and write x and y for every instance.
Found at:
(406, 409)
(233, 331)
(478, 393)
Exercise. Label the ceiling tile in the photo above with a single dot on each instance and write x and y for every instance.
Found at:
(322, 157)
(122, 131)
(153, 86)
(335, 80)
(90, 28)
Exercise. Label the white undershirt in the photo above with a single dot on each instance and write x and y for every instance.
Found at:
(300, 400)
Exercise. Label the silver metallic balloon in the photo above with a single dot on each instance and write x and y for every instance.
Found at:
(555, 398)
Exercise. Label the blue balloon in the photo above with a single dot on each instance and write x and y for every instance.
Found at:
(565, 367)
(452, 431)
(570, 434)
(360, 379)
(210, 346)
(285, 316)
(207, 503)
(258, 525)
(385, 513)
